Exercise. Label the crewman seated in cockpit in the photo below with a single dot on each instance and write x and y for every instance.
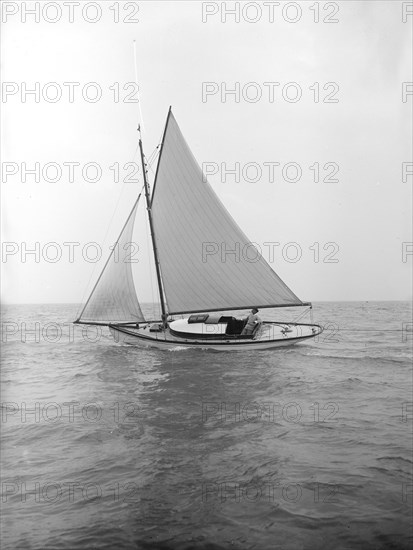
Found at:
(252, 321)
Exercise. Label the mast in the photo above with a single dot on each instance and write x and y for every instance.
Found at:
(155, 252)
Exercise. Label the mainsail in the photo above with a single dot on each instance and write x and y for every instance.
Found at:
(206, 261)
(113, 298)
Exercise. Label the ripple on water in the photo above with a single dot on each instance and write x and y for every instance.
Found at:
(303, 448)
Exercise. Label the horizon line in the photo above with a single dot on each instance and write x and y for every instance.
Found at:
(3, 303)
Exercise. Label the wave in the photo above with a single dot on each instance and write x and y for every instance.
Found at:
(397, 458)
(360, 357)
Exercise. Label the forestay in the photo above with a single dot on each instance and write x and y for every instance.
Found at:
(194, 236)
(113, 299)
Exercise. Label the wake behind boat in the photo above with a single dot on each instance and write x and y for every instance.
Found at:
(199, 272)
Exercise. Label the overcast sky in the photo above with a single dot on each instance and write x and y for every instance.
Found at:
(363, 131)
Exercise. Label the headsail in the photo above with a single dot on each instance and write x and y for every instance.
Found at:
(113, 299)
(195, 235)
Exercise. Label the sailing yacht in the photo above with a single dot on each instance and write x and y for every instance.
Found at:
(199, 287)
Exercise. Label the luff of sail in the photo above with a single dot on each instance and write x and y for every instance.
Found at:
(113, 299)
(188, 218)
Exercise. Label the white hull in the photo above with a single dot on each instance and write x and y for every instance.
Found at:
(272, 335)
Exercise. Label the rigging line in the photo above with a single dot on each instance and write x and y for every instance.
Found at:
(151, 169)
(149, 161)
(82, 304)
(136, 80)
(153, 152)
(302, 314)
(151, 228)
(156, 150)
(109, 257)
(152, 160)
(148, 247)
(118, 201)
(140, 122)
(153, 155)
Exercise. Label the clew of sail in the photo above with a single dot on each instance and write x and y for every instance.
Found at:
(195, 235)
(113, 299)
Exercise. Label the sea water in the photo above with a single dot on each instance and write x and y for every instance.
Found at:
(108, 446)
